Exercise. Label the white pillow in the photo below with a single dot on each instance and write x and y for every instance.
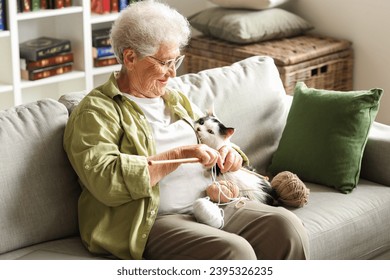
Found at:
(247, 95)
(249, 4)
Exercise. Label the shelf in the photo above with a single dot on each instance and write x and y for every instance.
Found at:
(74, 23)
(51, 80)
(4, 33)
(95, 18)
(5, 88)
(49, 13)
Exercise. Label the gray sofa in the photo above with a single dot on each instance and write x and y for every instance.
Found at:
(39, 189)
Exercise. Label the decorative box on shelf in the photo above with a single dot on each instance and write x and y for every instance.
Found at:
(320, 62)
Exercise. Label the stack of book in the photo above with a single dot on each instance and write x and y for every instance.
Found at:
(45, 57)
(24, 6)
(102, 52)
(2, 15)
(109, 6)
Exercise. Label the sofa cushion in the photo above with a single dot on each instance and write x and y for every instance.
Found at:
(353, 226)
(325, 135)
(38, 187)
(246, 26)
(249, 96)
(249, 4)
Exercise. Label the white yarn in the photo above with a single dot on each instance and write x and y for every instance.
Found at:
(208, 213)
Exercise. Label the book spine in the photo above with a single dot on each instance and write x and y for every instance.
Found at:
(26, 6)
(101, 62)
(106, 6)
(97, 6)
(2, 14)
(35, 5)
(45, 53)
(101, 42)
(46, 72)
(46, 62)
(102, 51)
(68, 3)
(58, 4)
(114, 6)
(44, 5)
(122, 4)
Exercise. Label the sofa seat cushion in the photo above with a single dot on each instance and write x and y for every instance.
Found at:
(347, 226)
(70, 248)
(38, 187)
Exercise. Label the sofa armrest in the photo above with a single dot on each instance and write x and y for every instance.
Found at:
(376, 157)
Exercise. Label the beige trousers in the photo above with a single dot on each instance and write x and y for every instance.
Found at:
(253, 231)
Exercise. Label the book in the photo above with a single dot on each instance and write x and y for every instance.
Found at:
(105, 61)
(106, 6)
(101, 37)
(97, 6)
(122, 4)
(67, 3)
(98, 52)
(58, 4)
(43, 47)
(26, 6)
(2, 15)
(114, 6)
(41, 73)
(35, 5)
(46, 62)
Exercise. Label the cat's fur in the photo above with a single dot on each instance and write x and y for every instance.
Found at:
(215, 134)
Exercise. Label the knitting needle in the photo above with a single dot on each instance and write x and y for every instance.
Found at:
(180, 160)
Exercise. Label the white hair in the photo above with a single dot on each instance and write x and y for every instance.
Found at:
(144, 26)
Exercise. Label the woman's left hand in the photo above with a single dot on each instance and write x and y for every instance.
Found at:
(230, 160)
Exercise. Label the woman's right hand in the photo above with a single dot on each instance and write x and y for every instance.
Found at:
(206, 155)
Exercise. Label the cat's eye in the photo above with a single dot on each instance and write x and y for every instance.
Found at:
(210, 131)
(201, 121)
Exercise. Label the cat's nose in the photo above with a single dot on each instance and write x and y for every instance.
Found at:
(198, 129)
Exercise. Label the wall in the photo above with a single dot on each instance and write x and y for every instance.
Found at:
(364, 22)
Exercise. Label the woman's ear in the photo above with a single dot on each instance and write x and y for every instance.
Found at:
(129, 58)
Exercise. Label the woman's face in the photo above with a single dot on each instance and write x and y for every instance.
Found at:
(149, 76)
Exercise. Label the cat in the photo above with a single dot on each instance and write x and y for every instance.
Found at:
(212, 132)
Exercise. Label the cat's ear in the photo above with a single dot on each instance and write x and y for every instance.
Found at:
(229, 132)
(211, 111)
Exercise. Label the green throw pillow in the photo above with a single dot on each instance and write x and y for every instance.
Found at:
(248, 26)
(325, 135)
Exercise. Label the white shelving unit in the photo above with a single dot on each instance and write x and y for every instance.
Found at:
(74, 23)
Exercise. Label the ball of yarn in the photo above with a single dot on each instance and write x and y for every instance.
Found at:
(222, 191)
(290, 189)
(208, 213)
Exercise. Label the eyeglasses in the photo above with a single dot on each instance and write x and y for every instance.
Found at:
(176, 62)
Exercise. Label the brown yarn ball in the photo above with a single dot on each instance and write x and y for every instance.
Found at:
(290, 189)
(222, 193)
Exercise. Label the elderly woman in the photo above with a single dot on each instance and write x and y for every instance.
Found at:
(134, 210)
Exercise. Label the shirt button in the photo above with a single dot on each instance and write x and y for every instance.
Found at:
(143, 236)
(152, 212)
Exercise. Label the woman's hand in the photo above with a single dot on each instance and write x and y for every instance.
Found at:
(206, 155)
(230, 159)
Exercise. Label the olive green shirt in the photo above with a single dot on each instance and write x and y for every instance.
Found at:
(107, 140)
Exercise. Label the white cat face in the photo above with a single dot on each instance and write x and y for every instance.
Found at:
(212, 132)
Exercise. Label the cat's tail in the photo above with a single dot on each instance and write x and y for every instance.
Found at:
(252, 186)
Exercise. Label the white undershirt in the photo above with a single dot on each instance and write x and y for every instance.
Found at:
(179, 189)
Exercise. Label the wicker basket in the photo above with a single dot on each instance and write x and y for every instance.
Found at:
(320, 62)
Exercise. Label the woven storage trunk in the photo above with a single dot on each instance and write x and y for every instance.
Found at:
(320, 62)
